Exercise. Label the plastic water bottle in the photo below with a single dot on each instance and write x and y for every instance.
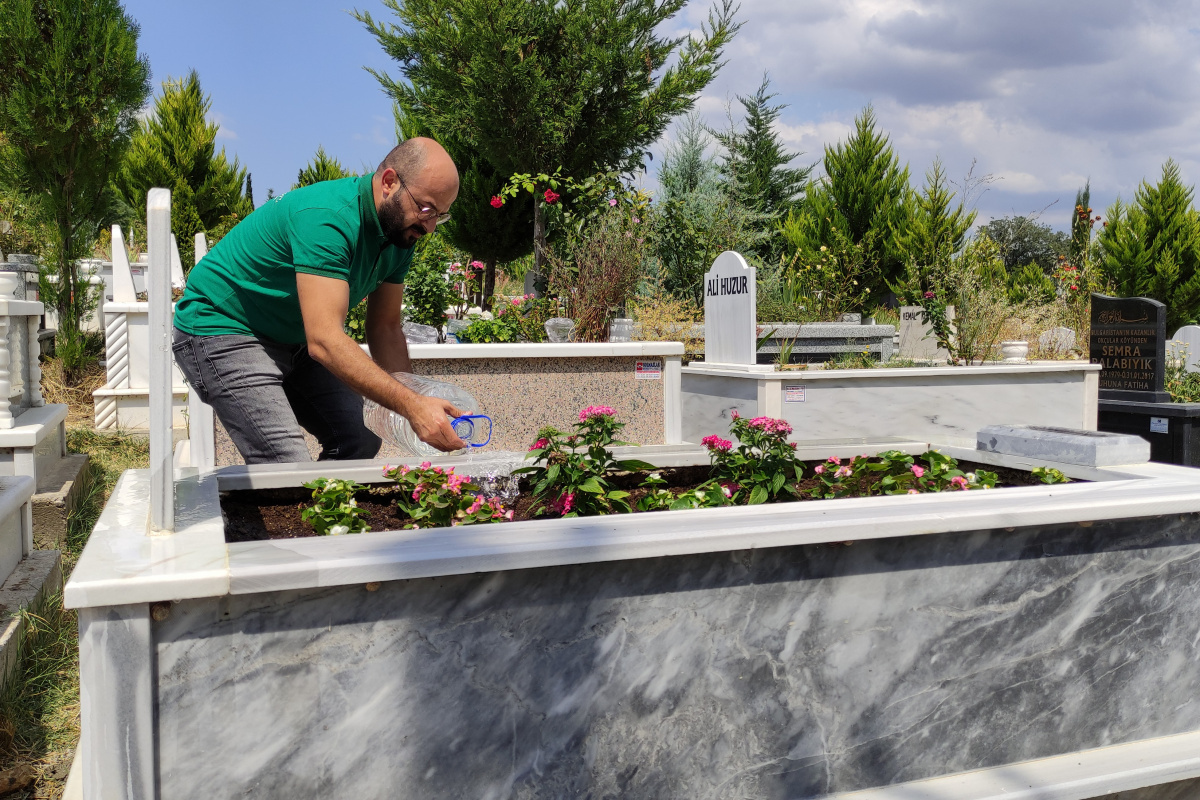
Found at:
(393, 428)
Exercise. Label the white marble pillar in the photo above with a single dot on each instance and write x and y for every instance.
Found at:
(158, 291)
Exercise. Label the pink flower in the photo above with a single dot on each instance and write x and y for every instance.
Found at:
(612, 202)
(842, 472)
(478, 265)
(539, 444)
(819, 469)
(475, 506)
(516, 301)
(918, 471)
(596, 411)
(728, 487)
(497, 201)
(734, 414)
(834, 460)
(929, 295)
(508, 515)
(715, 442)
(958, 482)
(426, 465)
(551, 196)
(563, 504)
(417, 494)
(913, 491)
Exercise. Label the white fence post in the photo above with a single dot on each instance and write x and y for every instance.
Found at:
(176, 265)
(201, 433)
(158, 291)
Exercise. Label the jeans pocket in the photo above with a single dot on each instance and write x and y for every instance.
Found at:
(189, 365)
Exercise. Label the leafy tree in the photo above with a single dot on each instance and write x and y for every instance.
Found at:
(323, 167)
(756, 162)
(1151, 247)
(249, 191)
(542, 86)
(1081, 225)
(863, 197)
(72, 85)
(176, 148)
(696, 218)
(1024, 240)
(932, 227)
(491, 235)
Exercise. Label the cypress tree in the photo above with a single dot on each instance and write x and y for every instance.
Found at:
(176, 148)
(756, 162)
(931, 229)
(249, 191)
(863, 196)
(72, 85)
(1151, 247)
(323, 167)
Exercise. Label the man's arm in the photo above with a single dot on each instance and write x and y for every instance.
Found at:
(323, 304)
(385, 328)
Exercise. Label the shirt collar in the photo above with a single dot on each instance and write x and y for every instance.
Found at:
(366, 206)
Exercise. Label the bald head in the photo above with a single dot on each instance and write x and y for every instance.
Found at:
(417, 174)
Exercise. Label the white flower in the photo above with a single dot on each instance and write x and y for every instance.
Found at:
(486, 315)
(338, 530)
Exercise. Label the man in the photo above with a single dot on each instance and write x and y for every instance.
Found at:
(259, 332)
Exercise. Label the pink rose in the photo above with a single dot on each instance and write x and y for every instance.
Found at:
(918, 471)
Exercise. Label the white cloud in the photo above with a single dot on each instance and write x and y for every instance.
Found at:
(223, 131)
(1044, 95)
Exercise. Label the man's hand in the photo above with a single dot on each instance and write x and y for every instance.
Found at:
(428, 417)
(323, 305)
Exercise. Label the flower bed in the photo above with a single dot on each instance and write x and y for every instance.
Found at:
(575, 474)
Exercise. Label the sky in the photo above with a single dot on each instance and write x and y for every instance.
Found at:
(1039, 95)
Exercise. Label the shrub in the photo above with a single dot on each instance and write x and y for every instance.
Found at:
(335, 511)
(663, 317)
(763, 466)
(426, 295)
(894, 472)
(433, 497)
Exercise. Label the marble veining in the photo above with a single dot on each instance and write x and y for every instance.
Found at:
(787, 672)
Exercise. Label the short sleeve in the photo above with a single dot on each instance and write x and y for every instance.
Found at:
(320, 243)
(400, 269)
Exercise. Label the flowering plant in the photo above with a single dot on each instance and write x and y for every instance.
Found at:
(894, 472)
(433, 497)
(570, 472)
(708, 495)
(335, 511)
(466, 282)
(763, 466)
(1050, 475)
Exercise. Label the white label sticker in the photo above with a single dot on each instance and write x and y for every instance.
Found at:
(793, 393)
(649, 370)
(1159, 425)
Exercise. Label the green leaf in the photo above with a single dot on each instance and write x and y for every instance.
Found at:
(777, 482)
(634, 465)
(552, 473)
(591, 486)
(759, 495)
(617, 494)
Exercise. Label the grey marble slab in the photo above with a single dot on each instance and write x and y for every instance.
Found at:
(786, 672)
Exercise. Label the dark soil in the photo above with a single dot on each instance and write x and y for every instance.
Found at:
(257, 514)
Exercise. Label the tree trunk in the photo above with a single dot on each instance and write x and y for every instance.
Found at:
(489, 281)
(539, 249)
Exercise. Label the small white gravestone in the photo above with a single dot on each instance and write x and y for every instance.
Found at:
(730, 302)
(917, 340)
(1057, 340)
(1187, 336)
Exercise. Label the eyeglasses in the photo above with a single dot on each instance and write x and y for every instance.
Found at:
(425, 211)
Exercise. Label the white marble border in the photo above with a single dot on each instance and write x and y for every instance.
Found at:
(123, 564)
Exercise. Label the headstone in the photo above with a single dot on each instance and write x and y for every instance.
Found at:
(1188, 337)
(1129, 338)
(917, 340)
(1057, 340)
(1064, 445)
(124, 290)
(730, 303)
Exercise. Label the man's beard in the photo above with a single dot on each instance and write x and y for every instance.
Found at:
(396, 226)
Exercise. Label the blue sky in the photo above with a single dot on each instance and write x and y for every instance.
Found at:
(1040, 94)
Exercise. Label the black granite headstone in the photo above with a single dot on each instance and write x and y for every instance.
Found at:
(1129, 338)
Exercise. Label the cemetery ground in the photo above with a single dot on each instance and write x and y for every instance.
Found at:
(39, 708)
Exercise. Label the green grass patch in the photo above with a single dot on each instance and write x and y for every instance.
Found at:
(39, 709)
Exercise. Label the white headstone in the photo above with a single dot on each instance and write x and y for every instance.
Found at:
(123, 288)
(176, 265)
(201, 247)
(1057, 340)
(1189, 336)
(917, 340)
(730, 303)
(158, 292)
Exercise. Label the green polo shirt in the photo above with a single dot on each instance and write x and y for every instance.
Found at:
(247, 284)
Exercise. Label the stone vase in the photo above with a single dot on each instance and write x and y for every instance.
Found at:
(1014, 352)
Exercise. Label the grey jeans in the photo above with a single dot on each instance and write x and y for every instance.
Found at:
(264, 392)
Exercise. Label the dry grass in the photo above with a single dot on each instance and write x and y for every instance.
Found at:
(77, 394)
(666, 318)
